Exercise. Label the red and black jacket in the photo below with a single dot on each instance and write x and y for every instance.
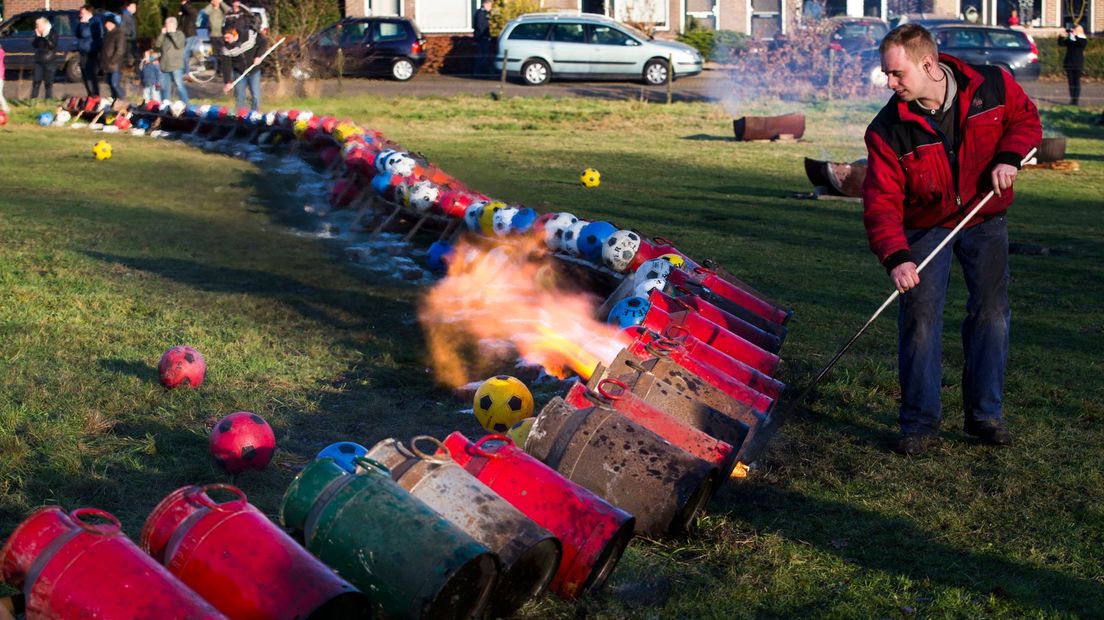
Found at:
(910, 182)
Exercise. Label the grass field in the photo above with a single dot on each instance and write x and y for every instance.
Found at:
(104, 265)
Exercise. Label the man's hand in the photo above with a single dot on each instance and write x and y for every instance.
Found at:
(904, 277)
(226, 88)
(1003, 176)
(257, 61)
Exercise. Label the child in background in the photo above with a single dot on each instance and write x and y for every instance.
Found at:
(151, 76)
(3, 102)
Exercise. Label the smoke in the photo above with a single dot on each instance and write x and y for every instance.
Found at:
(507, 301)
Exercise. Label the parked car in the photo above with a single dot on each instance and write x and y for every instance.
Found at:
(371, 46)
(854, 34)
(18, 32)
(1013, 50)
(543, 46)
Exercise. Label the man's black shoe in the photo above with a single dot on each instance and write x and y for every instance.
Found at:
(990, 432)
(915, 444)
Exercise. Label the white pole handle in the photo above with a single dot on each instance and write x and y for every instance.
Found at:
(258, 63)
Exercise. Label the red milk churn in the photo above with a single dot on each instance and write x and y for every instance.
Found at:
(530, 554)
(675, 403)
(70, 568)
(728, 276)
(709, 449)
(730, 291)
(594, 533)
(684, 283)
(703, 330)
(716, 377)
(663, 486)
(681, 345)
(243, 563)
(670, 387)
(732, 323)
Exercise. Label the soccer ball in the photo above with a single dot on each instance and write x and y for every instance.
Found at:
(402, 192)
(502, 221)
(381, 159)
(501, 402)
(554, 229)
(519, 432)
(655, 269)
(344, 453)
(628, 312)
(523, 220)
(591, 239)
(423, 195)
(571, 237)
(62, 118)
(486, 220)
(3, 118)
(241, 441)
(122, 122)
(591, 177)
(676, 260)
(439, 255)
(473, 214)
(299, 129)
(401, 164)
(102, 150)
(177, 108)
(619, 250)
(46, 119)
(181, 366)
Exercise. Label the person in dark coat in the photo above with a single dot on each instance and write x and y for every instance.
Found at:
(187, 18)
(1074, 63)
(242, 50)
(113, 56)
(130, 33)
(240, 18)
(45, 46)
(481, 30)
(89, 41)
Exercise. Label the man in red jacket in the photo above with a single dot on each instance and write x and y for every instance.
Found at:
(951, 133)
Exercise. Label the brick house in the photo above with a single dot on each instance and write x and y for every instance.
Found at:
(11, 7)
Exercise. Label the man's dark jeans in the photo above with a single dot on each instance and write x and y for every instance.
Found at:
(982, 251)
(482, 65)
(115, 82)
(89, 65)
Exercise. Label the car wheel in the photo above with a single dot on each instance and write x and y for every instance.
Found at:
(655, 72)
(72, 71)
(402, 69)
(536, 73)
(876, 77)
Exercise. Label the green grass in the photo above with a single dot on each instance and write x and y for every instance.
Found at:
(104, 265)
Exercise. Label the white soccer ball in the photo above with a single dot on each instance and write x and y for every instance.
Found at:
(177, 108)
(655, 269)
(554, 229)
(502, 219)
(381, 159)
(401, 164)
(473, 214)
(620, 249)
(570, 239)
(423, 195)
(62, 118)
(642, 289)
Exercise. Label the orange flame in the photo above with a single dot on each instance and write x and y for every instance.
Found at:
(502, 302)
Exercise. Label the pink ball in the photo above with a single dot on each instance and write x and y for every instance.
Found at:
(181, 365)
(242, 440)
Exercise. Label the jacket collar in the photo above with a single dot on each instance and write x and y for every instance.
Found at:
(966, 78)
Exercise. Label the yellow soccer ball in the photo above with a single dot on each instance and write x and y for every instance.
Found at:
(591, 177)
(502, 402)
(486, 221)
(519, 432)
(299, 129)
(676, 260)
(102, 150)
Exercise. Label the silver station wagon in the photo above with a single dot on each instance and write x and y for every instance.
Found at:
(543, 46)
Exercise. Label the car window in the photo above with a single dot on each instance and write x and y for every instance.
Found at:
(328, 36)
(63, 26)
(569, 33)
(530, 32)
(604, 35)
(354, 33)
(21, 27)
(960, 38)
(1007, 40)
(388, 31)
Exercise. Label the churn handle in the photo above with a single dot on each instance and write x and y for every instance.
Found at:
(372, 464)
(623, 387)
(199, 495)
(111, 528)
(430, 457)
(676, 333)
(478, 446)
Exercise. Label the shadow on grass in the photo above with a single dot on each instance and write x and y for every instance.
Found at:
(139, 370)
(704, 137)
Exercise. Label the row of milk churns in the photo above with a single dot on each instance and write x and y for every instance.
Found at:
(461, 530)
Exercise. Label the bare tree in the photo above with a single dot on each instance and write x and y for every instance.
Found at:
(298, 20)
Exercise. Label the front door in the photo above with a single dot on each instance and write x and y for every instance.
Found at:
(355, 40)
(570, 52)
(613, 52)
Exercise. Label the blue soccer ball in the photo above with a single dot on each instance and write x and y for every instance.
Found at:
(142, 123)
(591, 239)
(381, 183)
(523, 220)
(46, 119)
(628, 312)
(344, 453)
(440, 253)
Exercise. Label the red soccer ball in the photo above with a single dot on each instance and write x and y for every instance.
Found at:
(241, 441)
(181, 365)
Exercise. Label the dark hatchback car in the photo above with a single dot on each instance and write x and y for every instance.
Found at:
(1010, 49)
(18, 32)
(370, 46)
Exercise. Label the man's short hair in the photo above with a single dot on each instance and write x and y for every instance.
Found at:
(88, 7)
(230, 32)
(914, 38)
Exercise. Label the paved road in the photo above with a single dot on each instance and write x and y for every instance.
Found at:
(712, 85)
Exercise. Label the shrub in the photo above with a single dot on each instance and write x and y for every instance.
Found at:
(716, 45)
(1050, 57)
(502, 11)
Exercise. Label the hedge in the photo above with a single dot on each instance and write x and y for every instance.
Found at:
(716, 45)
(1050, 56)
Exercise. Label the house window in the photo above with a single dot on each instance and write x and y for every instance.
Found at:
(444, 15)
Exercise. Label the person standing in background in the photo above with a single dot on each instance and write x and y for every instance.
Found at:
(113, 56)
(130, 34)
(187, 23)
(171, 45)
(481, 29)
(1014, 18)
(216, 16)
(1073, 39)
(45, 45)
(3, 102)
(89, 41)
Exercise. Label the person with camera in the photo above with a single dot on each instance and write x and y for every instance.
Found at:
(171, 44)
(89, 42)
(45, 46)
(1073, 39)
